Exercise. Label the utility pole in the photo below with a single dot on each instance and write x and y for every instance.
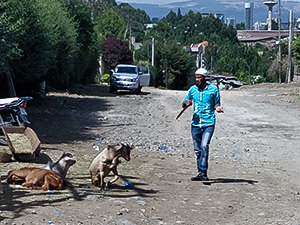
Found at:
(11, 87)
(152, 52)
(289, 78)
(130, 37)
(279, 42)
(197, 60)
(249, 73)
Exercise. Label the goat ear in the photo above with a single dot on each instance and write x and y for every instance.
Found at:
(132, 147)
(118, 147)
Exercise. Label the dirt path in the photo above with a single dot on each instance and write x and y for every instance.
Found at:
(254, 160)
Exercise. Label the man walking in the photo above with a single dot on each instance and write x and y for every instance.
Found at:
(206, 100)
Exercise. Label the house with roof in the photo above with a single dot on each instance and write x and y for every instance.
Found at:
(267, 38)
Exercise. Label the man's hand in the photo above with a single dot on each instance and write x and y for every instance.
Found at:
(219, 109)
(187, 103)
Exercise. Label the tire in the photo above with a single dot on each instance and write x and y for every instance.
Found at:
(138, 90)
(112, 89)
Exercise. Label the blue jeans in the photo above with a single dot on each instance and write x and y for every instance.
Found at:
(201, 139)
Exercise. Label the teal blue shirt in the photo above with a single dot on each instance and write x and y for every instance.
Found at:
(204, 102)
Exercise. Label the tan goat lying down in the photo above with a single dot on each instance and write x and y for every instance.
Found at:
(36, 178)
(49, 177)
(107, 161)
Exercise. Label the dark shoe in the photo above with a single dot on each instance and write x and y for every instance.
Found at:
(200, 177)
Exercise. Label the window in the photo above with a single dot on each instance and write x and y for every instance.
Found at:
(144, 69)
(125, 69)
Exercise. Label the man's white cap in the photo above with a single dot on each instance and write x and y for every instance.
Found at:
(202, 72)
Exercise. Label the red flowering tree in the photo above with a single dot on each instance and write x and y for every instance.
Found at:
(114, 52)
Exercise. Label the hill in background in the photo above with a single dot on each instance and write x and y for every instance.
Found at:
(231, 9)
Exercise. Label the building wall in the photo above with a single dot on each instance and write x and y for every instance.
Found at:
(249, 15)
(230, 21)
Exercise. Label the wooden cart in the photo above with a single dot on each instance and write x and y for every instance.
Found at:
(22, 142)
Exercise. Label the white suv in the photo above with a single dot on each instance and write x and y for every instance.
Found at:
(129, 77)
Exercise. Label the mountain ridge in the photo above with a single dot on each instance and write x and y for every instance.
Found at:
(230, 9)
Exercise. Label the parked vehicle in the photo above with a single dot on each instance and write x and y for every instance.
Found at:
(129, 77)
(12, 111)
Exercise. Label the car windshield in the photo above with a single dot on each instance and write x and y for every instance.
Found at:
(126, 70)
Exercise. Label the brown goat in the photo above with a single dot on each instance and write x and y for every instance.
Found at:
(107, 161)
(36, 178)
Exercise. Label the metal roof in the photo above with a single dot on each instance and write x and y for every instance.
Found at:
(259, 35)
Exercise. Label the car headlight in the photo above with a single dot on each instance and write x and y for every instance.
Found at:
(113, 78)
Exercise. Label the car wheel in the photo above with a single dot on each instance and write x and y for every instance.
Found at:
(112, 89)
(138, 90)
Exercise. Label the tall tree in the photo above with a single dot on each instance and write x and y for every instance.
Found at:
(10, 31)
(177, 65)
(62, 32)
(98, 6)
(179, 15)
(86, 61)
(110, 24)
(173, 64)
(171, 19)
(296, 51)
(135, 20)
(114, 52)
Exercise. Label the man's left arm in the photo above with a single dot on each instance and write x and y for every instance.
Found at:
(218, 107)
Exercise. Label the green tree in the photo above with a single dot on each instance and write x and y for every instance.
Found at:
(98, 6)
(240, 26)
(45, 35)
(33, 42)
(62, 33)
(177, 65)
(171, 19)
(239, 60)
(265, 57)
(296, 51)
(10, 30)
(135, 20)
(179, 15)
(217, 32)
(188, 29)
(87, 60)
(110, 24)
(173, 64)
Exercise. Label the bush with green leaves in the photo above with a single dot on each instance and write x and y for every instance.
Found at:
(105, 78)
(46, 40)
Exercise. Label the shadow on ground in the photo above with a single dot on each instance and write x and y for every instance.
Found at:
(227, 180)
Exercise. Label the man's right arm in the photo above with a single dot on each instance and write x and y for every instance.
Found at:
(187, 103)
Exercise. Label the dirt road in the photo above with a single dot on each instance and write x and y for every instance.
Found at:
(254, 160)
